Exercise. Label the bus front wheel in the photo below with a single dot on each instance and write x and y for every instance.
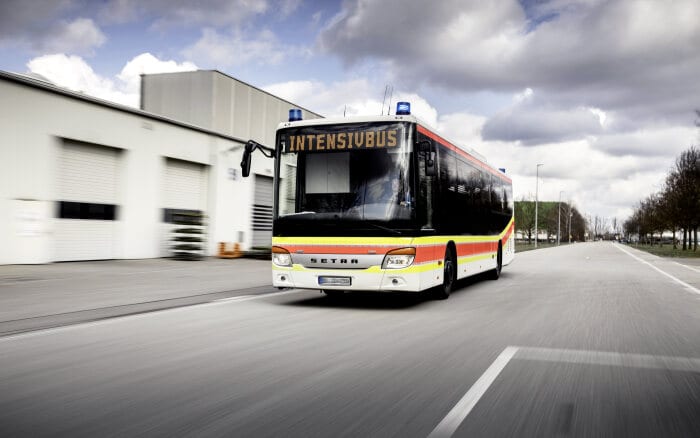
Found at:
(449, 275)
(495, 273)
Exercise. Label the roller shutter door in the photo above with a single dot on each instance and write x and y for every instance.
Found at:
(262, 212)
(184, 190)
(87, 204)
(185, 185)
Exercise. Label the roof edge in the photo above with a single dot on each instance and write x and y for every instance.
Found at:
(35, 83)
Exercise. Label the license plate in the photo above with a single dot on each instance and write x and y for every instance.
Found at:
(334, 281)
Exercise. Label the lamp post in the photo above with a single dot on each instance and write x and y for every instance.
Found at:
(537, 186)
(559, 219)
(569, 216)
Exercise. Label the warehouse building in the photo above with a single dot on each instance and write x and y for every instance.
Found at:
(85, 179)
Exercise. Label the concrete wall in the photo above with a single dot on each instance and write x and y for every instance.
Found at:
(179, 96)
(215, 101)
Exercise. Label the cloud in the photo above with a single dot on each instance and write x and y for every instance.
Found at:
(464, 129)
(233, 49)
(582, 54)
(46, 28)
(74, 73)
(166, 14)
(605, 175)
(597, 183)
(287, 7)
(355, 97)
(351, 97)
(21, 19)
(146, 63)
(531, 122)
(660, 141)
(78, 36)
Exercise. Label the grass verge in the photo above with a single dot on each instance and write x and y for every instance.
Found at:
(524, 246)
(667, 251)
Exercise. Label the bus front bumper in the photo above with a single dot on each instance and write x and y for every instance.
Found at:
(371, 279)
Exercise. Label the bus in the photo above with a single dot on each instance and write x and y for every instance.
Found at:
(384, 204)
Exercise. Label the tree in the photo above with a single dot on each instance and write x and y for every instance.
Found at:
(676, 207)
(578, 226)
(683, 193)
(525, 217)
(548, 219)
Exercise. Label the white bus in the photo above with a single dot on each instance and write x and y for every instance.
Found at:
(383, 204)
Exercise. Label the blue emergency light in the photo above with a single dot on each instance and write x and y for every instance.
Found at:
(403, 109)
(294, 115)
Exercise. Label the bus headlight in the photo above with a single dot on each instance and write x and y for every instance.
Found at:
(281, 257)
(399, 258)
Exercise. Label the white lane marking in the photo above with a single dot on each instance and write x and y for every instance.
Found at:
(238, 298)
(686, 266)
(464, 406)
(459, 412)
(610, 359)
(681, 282)
(144, 314)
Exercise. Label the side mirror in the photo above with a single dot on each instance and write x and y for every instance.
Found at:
(430, 168)
(245, 162)
(427, 152)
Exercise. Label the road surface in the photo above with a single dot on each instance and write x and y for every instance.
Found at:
(589, 339)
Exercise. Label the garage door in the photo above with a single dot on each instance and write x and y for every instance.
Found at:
(184, 191)
(185, 185)
(88, 202)
(262, 212)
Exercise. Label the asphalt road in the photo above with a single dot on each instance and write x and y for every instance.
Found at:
(582, 340)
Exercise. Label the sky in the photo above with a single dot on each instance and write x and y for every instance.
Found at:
(601, 93)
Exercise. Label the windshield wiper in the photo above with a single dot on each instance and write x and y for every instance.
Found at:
(397, 232)
(299, 213)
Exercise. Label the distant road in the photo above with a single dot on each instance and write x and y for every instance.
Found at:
(590, 339)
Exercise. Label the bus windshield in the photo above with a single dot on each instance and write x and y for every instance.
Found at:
(351, 174)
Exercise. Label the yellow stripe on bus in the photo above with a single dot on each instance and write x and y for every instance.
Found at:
(389, 241)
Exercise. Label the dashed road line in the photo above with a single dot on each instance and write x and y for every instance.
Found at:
(627, 360)
(238, 298)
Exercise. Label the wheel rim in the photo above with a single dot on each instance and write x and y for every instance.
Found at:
(449, 273)
(499, 260)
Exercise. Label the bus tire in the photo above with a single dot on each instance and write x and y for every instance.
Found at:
(449, 275)
(495, 273)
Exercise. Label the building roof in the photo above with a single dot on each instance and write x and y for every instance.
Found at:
(32, 82)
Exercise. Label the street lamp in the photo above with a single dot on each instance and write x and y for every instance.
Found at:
(537, 186)
(559, 219)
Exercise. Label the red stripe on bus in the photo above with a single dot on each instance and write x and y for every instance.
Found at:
(509, 232)
(470, 249)
(429, 253)
(424, 253)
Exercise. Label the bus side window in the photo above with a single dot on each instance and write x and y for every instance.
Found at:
(448, 189)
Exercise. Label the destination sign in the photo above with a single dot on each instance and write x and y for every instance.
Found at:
(341, 141)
